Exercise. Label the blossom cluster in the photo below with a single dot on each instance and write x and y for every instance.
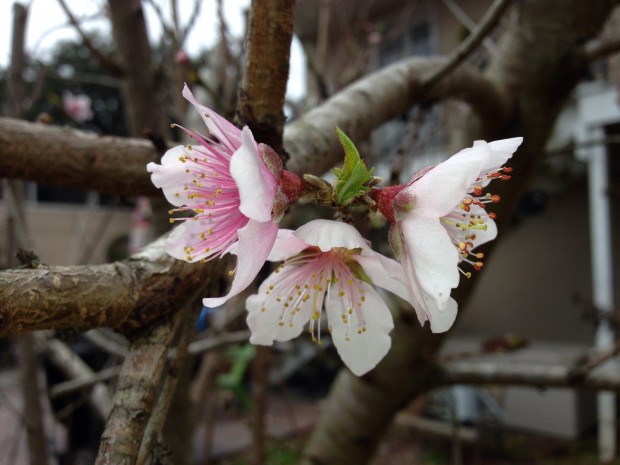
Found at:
(230, 193)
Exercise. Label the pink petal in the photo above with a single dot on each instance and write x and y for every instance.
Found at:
(255, 242)
(363, 351)
(327, 234)
(228, 134)
(257, 186)
(433, 256)
(444, 186)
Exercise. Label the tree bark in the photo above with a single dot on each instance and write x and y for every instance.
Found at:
(127, 296)
(261, 95)
(62, 156)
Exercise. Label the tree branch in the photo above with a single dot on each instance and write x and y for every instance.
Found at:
(465, 48)
(106, 61)
(126, 296)
(379, 97)
(512, 369)
(602, 48)
(136, 393)
(261, 95)
(63, 156)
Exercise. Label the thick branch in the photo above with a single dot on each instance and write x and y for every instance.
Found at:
(378, 98)
(136, 393)
(68, 157)
(125, 296)
(261, 95)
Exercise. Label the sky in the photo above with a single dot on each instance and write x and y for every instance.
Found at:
(47, 24)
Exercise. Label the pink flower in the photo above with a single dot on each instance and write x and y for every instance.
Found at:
(439, 218)
(77, 107)
(327, 264)
(232, 185)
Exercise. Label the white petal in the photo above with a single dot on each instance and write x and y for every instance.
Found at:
(443, 187)
(255, 242)
(327, 234)
(171, 177)
(384, 272)
(361, 352)
(501, 152)
(286, 245)
(426, 308)
(265, 325)
(433, 257)
(256, 184)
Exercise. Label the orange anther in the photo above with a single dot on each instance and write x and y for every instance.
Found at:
(495, 198)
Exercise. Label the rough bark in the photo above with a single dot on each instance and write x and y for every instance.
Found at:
(537, 66)
(127, 296)
(62, 156)
(261, 95)
(136, 393)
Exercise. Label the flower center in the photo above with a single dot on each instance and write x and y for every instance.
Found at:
(311, 278)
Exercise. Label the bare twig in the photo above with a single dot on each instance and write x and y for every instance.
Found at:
(466, 21)
(487, 23)
(106, 61)
(74, 367)
(602, 48)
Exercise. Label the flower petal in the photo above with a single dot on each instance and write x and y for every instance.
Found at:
(365, 349)
(265, 325)
(286, 245)
(171, 176)
(426, 308)
(444, 186)
(327, 234)
(257, 186)
(433, 257)
(384, 272)
(228, 134)
(501, 152)
(255, 242)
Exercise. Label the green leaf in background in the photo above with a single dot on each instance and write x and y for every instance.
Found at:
(350, 179)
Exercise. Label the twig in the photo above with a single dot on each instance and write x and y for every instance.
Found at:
(487, 23)
(217, 342)
(602, 48)
(466, 21)
(192, 21)
(107, 341)
(74, 367)
(106, 62)
(581, 370)
(81, 383)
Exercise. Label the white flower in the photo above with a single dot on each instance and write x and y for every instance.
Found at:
(439, 218)
(327, 264)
